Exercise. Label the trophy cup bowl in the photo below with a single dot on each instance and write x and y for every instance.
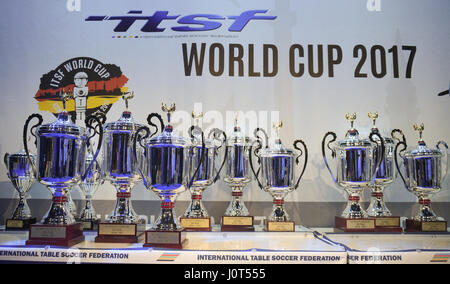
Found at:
(61, 147)
(356, 170)
(277, 165)
(424, 176)
(166, 172)
(21, 175)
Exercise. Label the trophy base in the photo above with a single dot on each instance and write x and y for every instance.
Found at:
(12, 224)
(389, 224)
(90, 225)
(273, 226)
(422, 226)
(118, 233)
(237, 223)
(55, 235)
(354, 225)
(196, 224)
(165, 239)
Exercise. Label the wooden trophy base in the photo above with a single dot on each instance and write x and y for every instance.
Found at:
(55, 235)
(421, 226)
(118, 233)
(389, 224)
(165, 239)
(355, 225)
(196, 224)
(13, 224)
(237, 224)
(272, 226)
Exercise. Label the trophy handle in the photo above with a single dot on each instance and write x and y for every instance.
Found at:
(381, 156)
(89, 120)
(161, 122)
(266, 137)
(257, 155)
(202, 159)
(297, 159)
(25, 140)
(5, 160)
(216, 132)
(401, 142)
(137, 137)
(333, 152)
(446, 154)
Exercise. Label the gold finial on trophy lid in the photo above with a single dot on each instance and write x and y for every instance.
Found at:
(65, 96)
(374, 117)
(196, 116)
(168, 109)
(420, 129)
(126, 96)
(277, 127)
(351, 118)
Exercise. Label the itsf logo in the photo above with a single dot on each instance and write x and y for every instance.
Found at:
(188, 23)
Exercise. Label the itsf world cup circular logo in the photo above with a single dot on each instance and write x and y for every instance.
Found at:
(95, 86)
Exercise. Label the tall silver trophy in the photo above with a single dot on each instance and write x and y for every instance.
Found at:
(385, 175)
(196, 217)
(166, 171)
(120, 168)
(21, 175)
(61, 147)
(356, 170)
(237, 175)
(278, 176)
(425, 172)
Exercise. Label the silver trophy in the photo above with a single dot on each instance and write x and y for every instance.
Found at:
(425, 171)
(196, 216)
(385, 175)
(357, 165)
(94, 178)
(61, 148)
(21, 175)
(120, 165)
(278, 178)
(166, 171)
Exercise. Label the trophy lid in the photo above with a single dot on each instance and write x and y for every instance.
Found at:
(352, 138)
(167, 137)
(277, 148)
(196, 135)
(126, 121)
(422, 149)
(238, 138)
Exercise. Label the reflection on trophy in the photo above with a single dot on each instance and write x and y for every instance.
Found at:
(94, 178)
(385, 175)
(61, 148)
(120, 168)
(278, 177)
(166, 171)
(356, 170)
(80, 94)
(424, 175)
(196, 217)
(21, 175)
(238, 175)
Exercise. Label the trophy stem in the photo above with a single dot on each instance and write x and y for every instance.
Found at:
(354, 209)
(22, 210)
(237, 206)
(196, 208)
(59, 213)
(123, 211)
(167, 220)
(426, 214)
(88, 213)
(278, 212)
(377, 207)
